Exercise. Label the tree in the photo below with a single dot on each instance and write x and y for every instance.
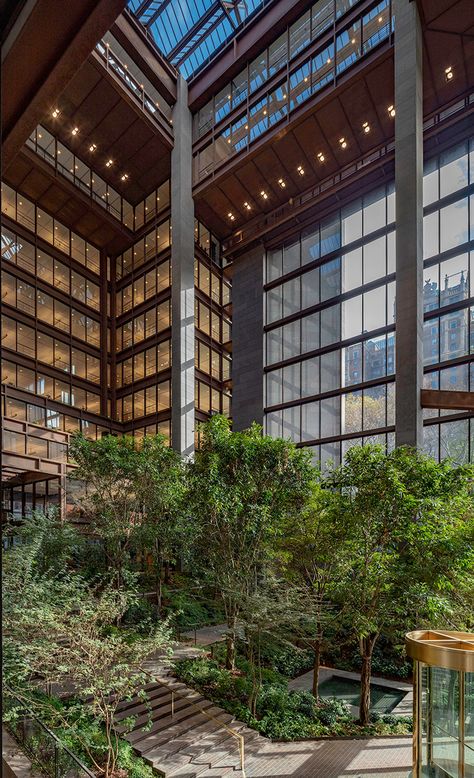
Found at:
(242, 486)
(162, 490)
(58, 628)
(133, 495)
(314, 556)
(406, 519)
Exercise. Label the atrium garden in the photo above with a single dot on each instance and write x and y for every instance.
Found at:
(303, 582)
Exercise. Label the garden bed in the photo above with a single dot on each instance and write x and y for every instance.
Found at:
(281, 714)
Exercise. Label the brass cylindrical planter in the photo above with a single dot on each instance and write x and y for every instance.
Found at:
(443, 703)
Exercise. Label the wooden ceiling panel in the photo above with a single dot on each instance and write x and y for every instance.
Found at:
(84, 81)
(272, 167)
(35, 184)
(17, 172)
(380, 83)
(449, 15)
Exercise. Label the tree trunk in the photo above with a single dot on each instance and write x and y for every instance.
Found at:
(167, 573)
(230, 644)
(316, 664)
(365, 675)
(158, 580)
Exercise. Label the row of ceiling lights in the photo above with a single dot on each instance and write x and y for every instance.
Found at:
(92, 148)
(449, 74)
(319, 156)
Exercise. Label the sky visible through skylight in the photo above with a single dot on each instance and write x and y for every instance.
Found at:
(189, 32)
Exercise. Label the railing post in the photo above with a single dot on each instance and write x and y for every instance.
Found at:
(242, 756)
(56, 761)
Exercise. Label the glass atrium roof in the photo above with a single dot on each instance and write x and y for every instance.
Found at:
(190, 32)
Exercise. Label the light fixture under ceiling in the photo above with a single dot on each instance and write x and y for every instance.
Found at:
(75, 131)
(391, 111)
(56, 113)
(343, 143)
(300, 170)
(281, 183)
(448, 72)
(264, 194)
(366, 127)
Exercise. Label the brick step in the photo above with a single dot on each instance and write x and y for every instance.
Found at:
(161, 711)
(139, 699)
(160, 740)
(193, 740)
(166, 728)
(152, 690)
(221, 757)
(152, 701)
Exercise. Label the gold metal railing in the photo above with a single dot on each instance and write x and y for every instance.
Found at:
(174, 693)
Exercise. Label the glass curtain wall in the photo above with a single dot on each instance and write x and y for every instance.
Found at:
(330, 319)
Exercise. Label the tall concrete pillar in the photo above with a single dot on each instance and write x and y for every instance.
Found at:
(247, 339)
(409, 222)
(182, 278)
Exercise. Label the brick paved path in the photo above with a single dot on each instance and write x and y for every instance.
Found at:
(375, 758)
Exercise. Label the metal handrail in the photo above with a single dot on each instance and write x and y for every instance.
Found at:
(58, 745)
(240, 738)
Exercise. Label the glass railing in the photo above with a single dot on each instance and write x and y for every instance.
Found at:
(253, 116)
(65, 162)
(158, 109)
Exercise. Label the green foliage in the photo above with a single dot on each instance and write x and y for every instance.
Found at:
(408, 529)
(279, 714)
(63, 630)
(134, 496)
(242, 486)
(53, 545)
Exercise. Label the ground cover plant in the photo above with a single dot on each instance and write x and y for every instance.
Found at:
(279, 713)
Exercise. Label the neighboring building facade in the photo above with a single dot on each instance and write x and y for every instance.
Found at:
(198, 217)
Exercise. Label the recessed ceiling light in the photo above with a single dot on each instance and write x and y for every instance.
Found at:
(264, 194)
(124, 177)
(380, 19)
(56, 113)
(282, 183)
(265, 112)
(391, 111)
(320, 156)
(231, 216)
(247, 206)
(353, 41)
(328, 61)
(366, 127)
(343, 143)
(109, 163)
(305, 78)
(75, 130)
(92, 147)
(449, 73)
(300, 170)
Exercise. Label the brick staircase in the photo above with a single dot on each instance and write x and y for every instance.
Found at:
(180, 733)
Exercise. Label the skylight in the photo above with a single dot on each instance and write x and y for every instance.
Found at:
(190, 32)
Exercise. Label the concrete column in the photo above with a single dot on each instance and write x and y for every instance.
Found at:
(409, 222)
(182, 277)
(247, 339)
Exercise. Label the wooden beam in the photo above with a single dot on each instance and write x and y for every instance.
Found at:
(448, 400)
